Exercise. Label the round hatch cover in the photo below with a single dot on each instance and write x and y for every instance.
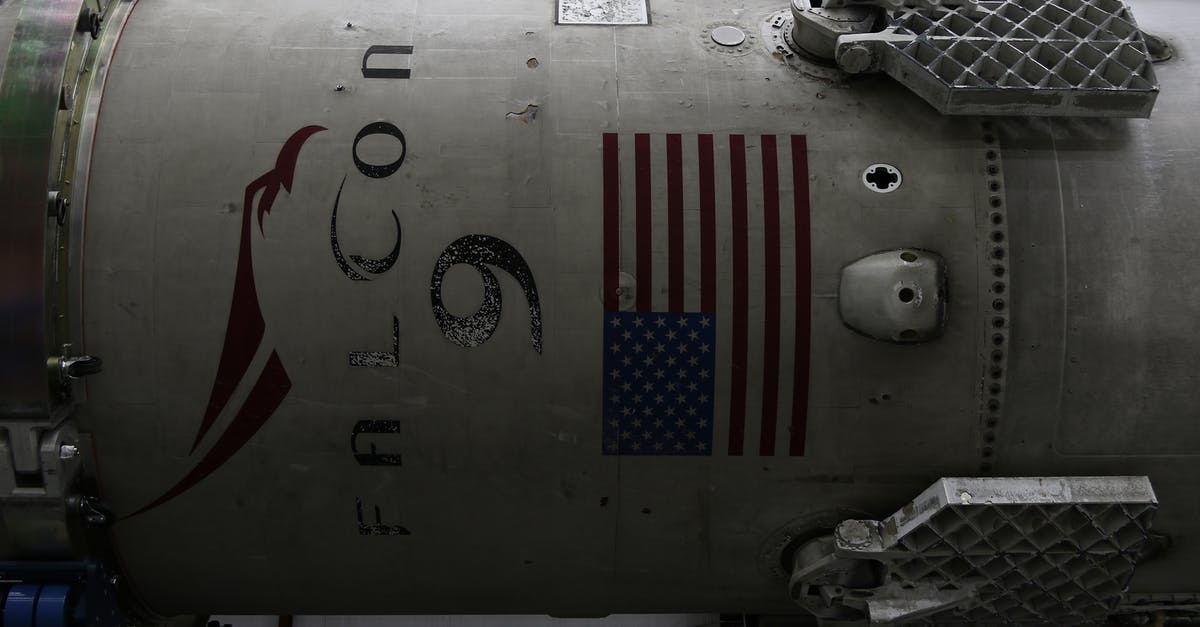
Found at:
(728, 35)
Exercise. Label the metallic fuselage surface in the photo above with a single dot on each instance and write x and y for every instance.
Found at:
(362, 276)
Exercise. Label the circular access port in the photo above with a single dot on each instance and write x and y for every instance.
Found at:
(728, 36)
(906, 295)
(882, 178)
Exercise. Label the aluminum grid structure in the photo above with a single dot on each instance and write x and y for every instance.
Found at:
(1043, 551)
(1029, 57)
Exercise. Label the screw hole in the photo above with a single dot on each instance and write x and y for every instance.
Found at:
(998, 304)
(997, 219)
(906, 295)
(998, 271)
(998, 287)
(996, 202)
(907, 256)
(993, 169)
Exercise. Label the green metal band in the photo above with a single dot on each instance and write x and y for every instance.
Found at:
(46, 58)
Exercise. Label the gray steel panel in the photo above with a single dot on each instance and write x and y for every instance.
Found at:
(1104, 228)
(549, 496)
(503, 486)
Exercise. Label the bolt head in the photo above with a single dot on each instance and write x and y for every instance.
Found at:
(856, 59)
(854, 533)
(68, 451)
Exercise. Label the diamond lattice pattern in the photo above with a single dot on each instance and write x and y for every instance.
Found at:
(1024, 44)
(1059, 564)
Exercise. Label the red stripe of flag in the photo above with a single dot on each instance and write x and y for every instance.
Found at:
(641, 153)
(771, 277)
(612, 223)
(675, 222)
(741, 293)
(800, 365)
(708, 225)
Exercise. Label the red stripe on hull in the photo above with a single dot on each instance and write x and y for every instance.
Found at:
(675, 277)
(708, 225)
(800, 365)
(268, 392)
(645, 275)
(771, 277)
(612, 223)
(741, 294)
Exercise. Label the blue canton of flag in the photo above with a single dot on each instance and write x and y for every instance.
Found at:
(659, 369)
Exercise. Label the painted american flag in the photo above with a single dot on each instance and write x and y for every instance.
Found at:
(715, 229)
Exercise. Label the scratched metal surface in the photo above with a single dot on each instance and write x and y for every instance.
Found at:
(8, 23)
(503, 489)
(1103, 249)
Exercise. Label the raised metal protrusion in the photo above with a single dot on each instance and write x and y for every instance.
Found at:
(857, 534)
(91, 511)
(68, 451)
(856, 59)
(56, 207)
(1158, 48)
(626, 292)
(1002, 554)
(820, 577)
(81, 366)
(895, 296)
(728, 36)
(1002, 58)
(816, 29)
(90, 22)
